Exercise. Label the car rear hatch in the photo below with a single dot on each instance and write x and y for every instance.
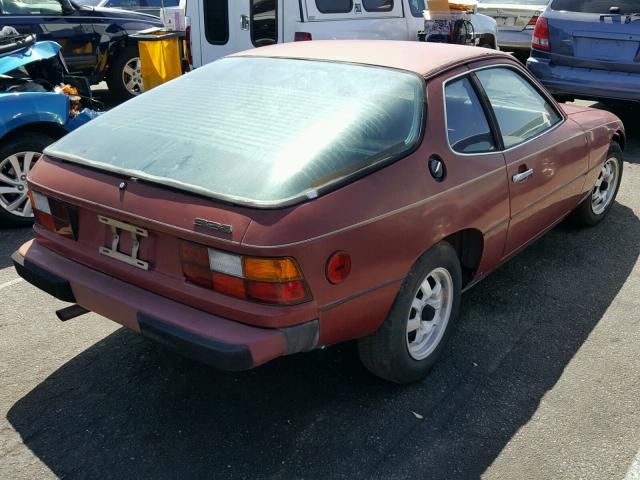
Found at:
(513, 17)
(595, 34)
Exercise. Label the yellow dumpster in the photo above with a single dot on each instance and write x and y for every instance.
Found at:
(160, 56)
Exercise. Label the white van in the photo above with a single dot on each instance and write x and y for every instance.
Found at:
(220, 27)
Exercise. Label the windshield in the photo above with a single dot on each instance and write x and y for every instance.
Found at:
(597, 6)
(261, 131)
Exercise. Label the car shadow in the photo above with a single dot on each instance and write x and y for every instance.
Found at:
(12, 238)
(128, 408)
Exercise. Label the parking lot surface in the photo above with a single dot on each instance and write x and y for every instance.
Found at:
(541, 379)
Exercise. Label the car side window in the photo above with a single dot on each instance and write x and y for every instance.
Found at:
(216, 21)
(467, 126)
(334, 6)
(377, 5)
(522, 112)
(124, 3)
(31, 7)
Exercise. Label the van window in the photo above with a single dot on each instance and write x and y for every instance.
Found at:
(264, 30)
(377, 5)
(216, 21)
(334, 6)
(417, 7)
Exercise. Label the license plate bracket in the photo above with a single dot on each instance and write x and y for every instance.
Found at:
(118, 226)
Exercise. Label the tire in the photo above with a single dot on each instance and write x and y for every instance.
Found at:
(21, 149)
(591, 212)
(116, 75)
(392, 352)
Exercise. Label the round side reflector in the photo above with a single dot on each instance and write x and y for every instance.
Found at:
(338, 267)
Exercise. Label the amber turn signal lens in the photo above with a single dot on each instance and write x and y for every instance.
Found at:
(271, 269)
(338, 267)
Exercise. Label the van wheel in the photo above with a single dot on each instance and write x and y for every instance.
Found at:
(17, 158)
(124, 77)
(595, 207)
(406, 346)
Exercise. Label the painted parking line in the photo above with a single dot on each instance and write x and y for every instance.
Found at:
(10, 282)
(634, 470)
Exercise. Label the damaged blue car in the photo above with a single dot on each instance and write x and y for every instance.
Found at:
(39, 103)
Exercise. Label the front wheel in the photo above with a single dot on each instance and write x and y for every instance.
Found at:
(410, 340)
(596, 206)
(17, 157)
(124, 77)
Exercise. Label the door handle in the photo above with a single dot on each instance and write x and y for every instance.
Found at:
(521, 177)
(244, 22)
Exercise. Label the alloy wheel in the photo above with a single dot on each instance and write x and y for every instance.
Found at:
(13, 183)
(605, 187)
(132, 76)
(429, 313)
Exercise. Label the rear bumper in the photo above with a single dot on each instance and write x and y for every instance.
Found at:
(519, 41)
(219, 342)
(585, 82)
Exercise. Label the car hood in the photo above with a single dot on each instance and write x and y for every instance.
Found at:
(24, 56)
(120, 13)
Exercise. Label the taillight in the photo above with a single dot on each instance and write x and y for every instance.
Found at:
(54, 215)
(187, 42)
(267, 280)
(540, 38)
(532, 22)
(302, 37)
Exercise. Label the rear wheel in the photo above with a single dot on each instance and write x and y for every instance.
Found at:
(410, 340)
(17, 157)
(124, 77)
(596, 206)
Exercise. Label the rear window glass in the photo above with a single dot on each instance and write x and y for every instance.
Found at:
(596, 6)
(258, 131)
(334, 6)
(378, 5)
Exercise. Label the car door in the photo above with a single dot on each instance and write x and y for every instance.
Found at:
(546, 153)
(57, 21)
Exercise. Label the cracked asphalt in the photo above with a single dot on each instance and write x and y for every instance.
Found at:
(540, 380)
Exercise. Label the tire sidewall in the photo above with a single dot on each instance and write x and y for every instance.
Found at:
(441, 255)
(114, 76)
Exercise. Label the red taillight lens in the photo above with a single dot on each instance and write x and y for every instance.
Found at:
(195, 264)
(540, 38)
(338, 267)
(532, 22)
(266, 280)
(54, 215)
(302, 37)
(286, 293)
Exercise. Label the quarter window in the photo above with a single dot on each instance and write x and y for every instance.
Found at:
(216, 21)
(521, 111)
(264, 30)
(334, 6)
(467, 126)
(44, 7)
(378, 5)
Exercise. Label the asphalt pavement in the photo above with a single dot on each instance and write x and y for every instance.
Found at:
(540, 380)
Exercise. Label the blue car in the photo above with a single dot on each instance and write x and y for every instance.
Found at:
(38, 105)
(588, 49)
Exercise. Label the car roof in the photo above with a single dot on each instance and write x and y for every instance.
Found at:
(423, 58)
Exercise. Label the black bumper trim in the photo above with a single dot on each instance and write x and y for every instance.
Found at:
(220, 355)
(301, 338)
(43, 279)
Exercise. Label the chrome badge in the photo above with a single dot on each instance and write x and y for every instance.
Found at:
(218, 227)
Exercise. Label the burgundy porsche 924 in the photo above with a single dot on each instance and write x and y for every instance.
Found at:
(305, 194)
